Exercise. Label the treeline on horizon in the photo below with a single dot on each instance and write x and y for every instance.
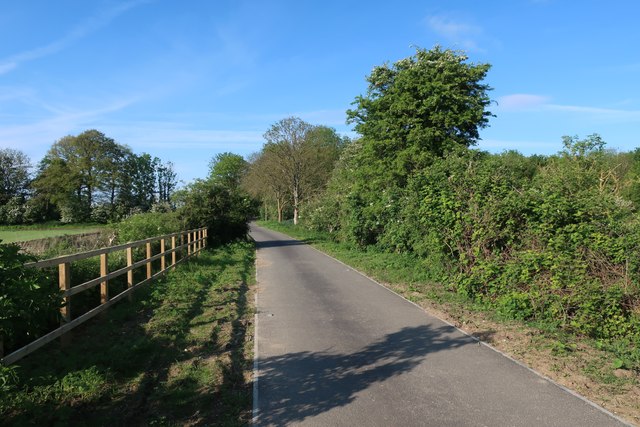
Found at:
(82, 178)
(538, 238)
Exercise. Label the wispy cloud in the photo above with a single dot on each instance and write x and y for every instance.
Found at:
(456, 31)
(91, 25)
(597, 112)
(521, 101)
(38, 135)
(530, 102)
(175, 135)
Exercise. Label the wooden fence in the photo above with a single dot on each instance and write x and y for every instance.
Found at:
(183, 245)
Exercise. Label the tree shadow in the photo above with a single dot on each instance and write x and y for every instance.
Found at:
(280, 243)
(296, 386)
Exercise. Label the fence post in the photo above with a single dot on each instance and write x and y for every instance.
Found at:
(148, 261)
(163, 262)
(173, 251)
(64, 281)
(188, 244)
(104, 286)
(130, 272)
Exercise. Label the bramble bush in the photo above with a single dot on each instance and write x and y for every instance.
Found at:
(29, 301)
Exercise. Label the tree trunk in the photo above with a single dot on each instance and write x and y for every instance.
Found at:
(296, 201)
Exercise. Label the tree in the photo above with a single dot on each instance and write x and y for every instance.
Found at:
(14, 174)
(417, 111)
(302, 156)
(267, 182)
(167, 183)
(228, 169)
(423, 105)
(224, 211)
(138, 183)
(75, 170)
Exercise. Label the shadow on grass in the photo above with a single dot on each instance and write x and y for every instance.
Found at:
(136, 348)
(296, 386)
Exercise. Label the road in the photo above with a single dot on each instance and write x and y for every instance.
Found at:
(336, 349)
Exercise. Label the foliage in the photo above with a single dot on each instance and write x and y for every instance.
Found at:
(427, 103)
(294, 164)
(538, 238)
(225, 211)
(149, 224)
(546, 239)
(228, 169)
(84, 177)
(415, 112)
(14, 174)
(29, 303)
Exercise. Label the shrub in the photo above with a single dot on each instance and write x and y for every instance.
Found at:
(29, 302)
(145, 225)
(225, 211)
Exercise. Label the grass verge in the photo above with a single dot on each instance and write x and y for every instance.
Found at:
(589, 367)
(179, 354)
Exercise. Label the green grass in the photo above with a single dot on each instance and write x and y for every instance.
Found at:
(10, 234)
(180, 354)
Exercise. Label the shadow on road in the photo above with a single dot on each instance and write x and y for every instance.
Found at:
(281, 243)
(305, 384)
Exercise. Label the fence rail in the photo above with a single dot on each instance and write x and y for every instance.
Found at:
(190, 241)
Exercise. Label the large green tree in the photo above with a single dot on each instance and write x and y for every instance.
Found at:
(75, 170)
(421, 106)
(228, 169)
(415, 112)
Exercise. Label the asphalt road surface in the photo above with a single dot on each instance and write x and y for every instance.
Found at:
(336, 349)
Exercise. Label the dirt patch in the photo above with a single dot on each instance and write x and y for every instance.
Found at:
(577, 365)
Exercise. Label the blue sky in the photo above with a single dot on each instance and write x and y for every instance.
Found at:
(185, 80)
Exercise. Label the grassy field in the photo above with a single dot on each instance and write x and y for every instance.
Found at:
(180, 354)
(591, 368)
(10, 234)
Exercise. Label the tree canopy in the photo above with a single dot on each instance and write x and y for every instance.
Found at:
(423, 105)
(294, 164)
